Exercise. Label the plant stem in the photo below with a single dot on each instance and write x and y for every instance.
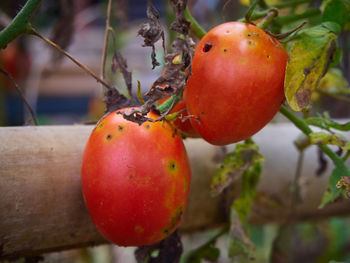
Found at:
(59, 49)
(304, 127)
(196, 29)
(105, 42)
(21, 94)
(282, 20)
(289, 3)
(268, 18)
(166, 104)
(295, 188)
(20, 24)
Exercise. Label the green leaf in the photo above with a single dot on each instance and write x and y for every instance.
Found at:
(239, 242)
(327, 123)
(337, 11)
(332, 192)
(308, 62)
(244, 156)
(328, 138)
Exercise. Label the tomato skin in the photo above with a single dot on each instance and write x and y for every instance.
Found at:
(135, 180)
(236, 86)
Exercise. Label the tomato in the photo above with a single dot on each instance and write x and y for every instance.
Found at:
(183, 125)
(236, 86)
(16, 61)
(135, 180)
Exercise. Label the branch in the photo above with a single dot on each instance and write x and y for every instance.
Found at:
(20, 24)
(105, 45)
(86, 69)
(20, 92)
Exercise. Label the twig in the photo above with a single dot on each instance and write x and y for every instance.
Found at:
(86, 69)
(20, 92)
(295, 188)
(105, 45)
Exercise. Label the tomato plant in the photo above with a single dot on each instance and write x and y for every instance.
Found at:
(182, 122)
(236, 86)
(135, 180)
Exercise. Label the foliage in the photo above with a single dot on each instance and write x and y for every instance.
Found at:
(308, 62)
(314, 52)
(235, 164)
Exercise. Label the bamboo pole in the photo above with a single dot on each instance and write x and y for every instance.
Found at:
(41, 204)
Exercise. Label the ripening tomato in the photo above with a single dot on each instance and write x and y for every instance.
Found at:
(236, 86)
(135, 180)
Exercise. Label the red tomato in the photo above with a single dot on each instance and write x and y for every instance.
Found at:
(237, 80)
(16, 61)
(135, 180)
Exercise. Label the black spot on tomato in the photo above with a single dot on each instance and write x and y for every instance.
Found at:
(207, 47)
(172, 165)
(268, 56)
(108, 137)
(225, 50)
(148, 126)
(120, 128)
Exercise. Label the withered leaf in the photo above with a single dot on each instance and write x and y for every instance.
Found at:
(181, 24)
(119, 62)
(115, 100)
(308, 62)
(168, 250)
(152, 31)
(244, 156)
(329, 138)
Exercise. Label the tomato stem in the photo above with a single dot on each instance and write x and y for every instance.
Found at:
(304, 127)
(20, 24)
(196, 28)
(292, 3)
(165, 105)
(283, 20)
(273, 12)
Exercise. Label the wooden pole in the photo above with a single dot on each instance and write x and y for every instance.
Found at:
(41, 204)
